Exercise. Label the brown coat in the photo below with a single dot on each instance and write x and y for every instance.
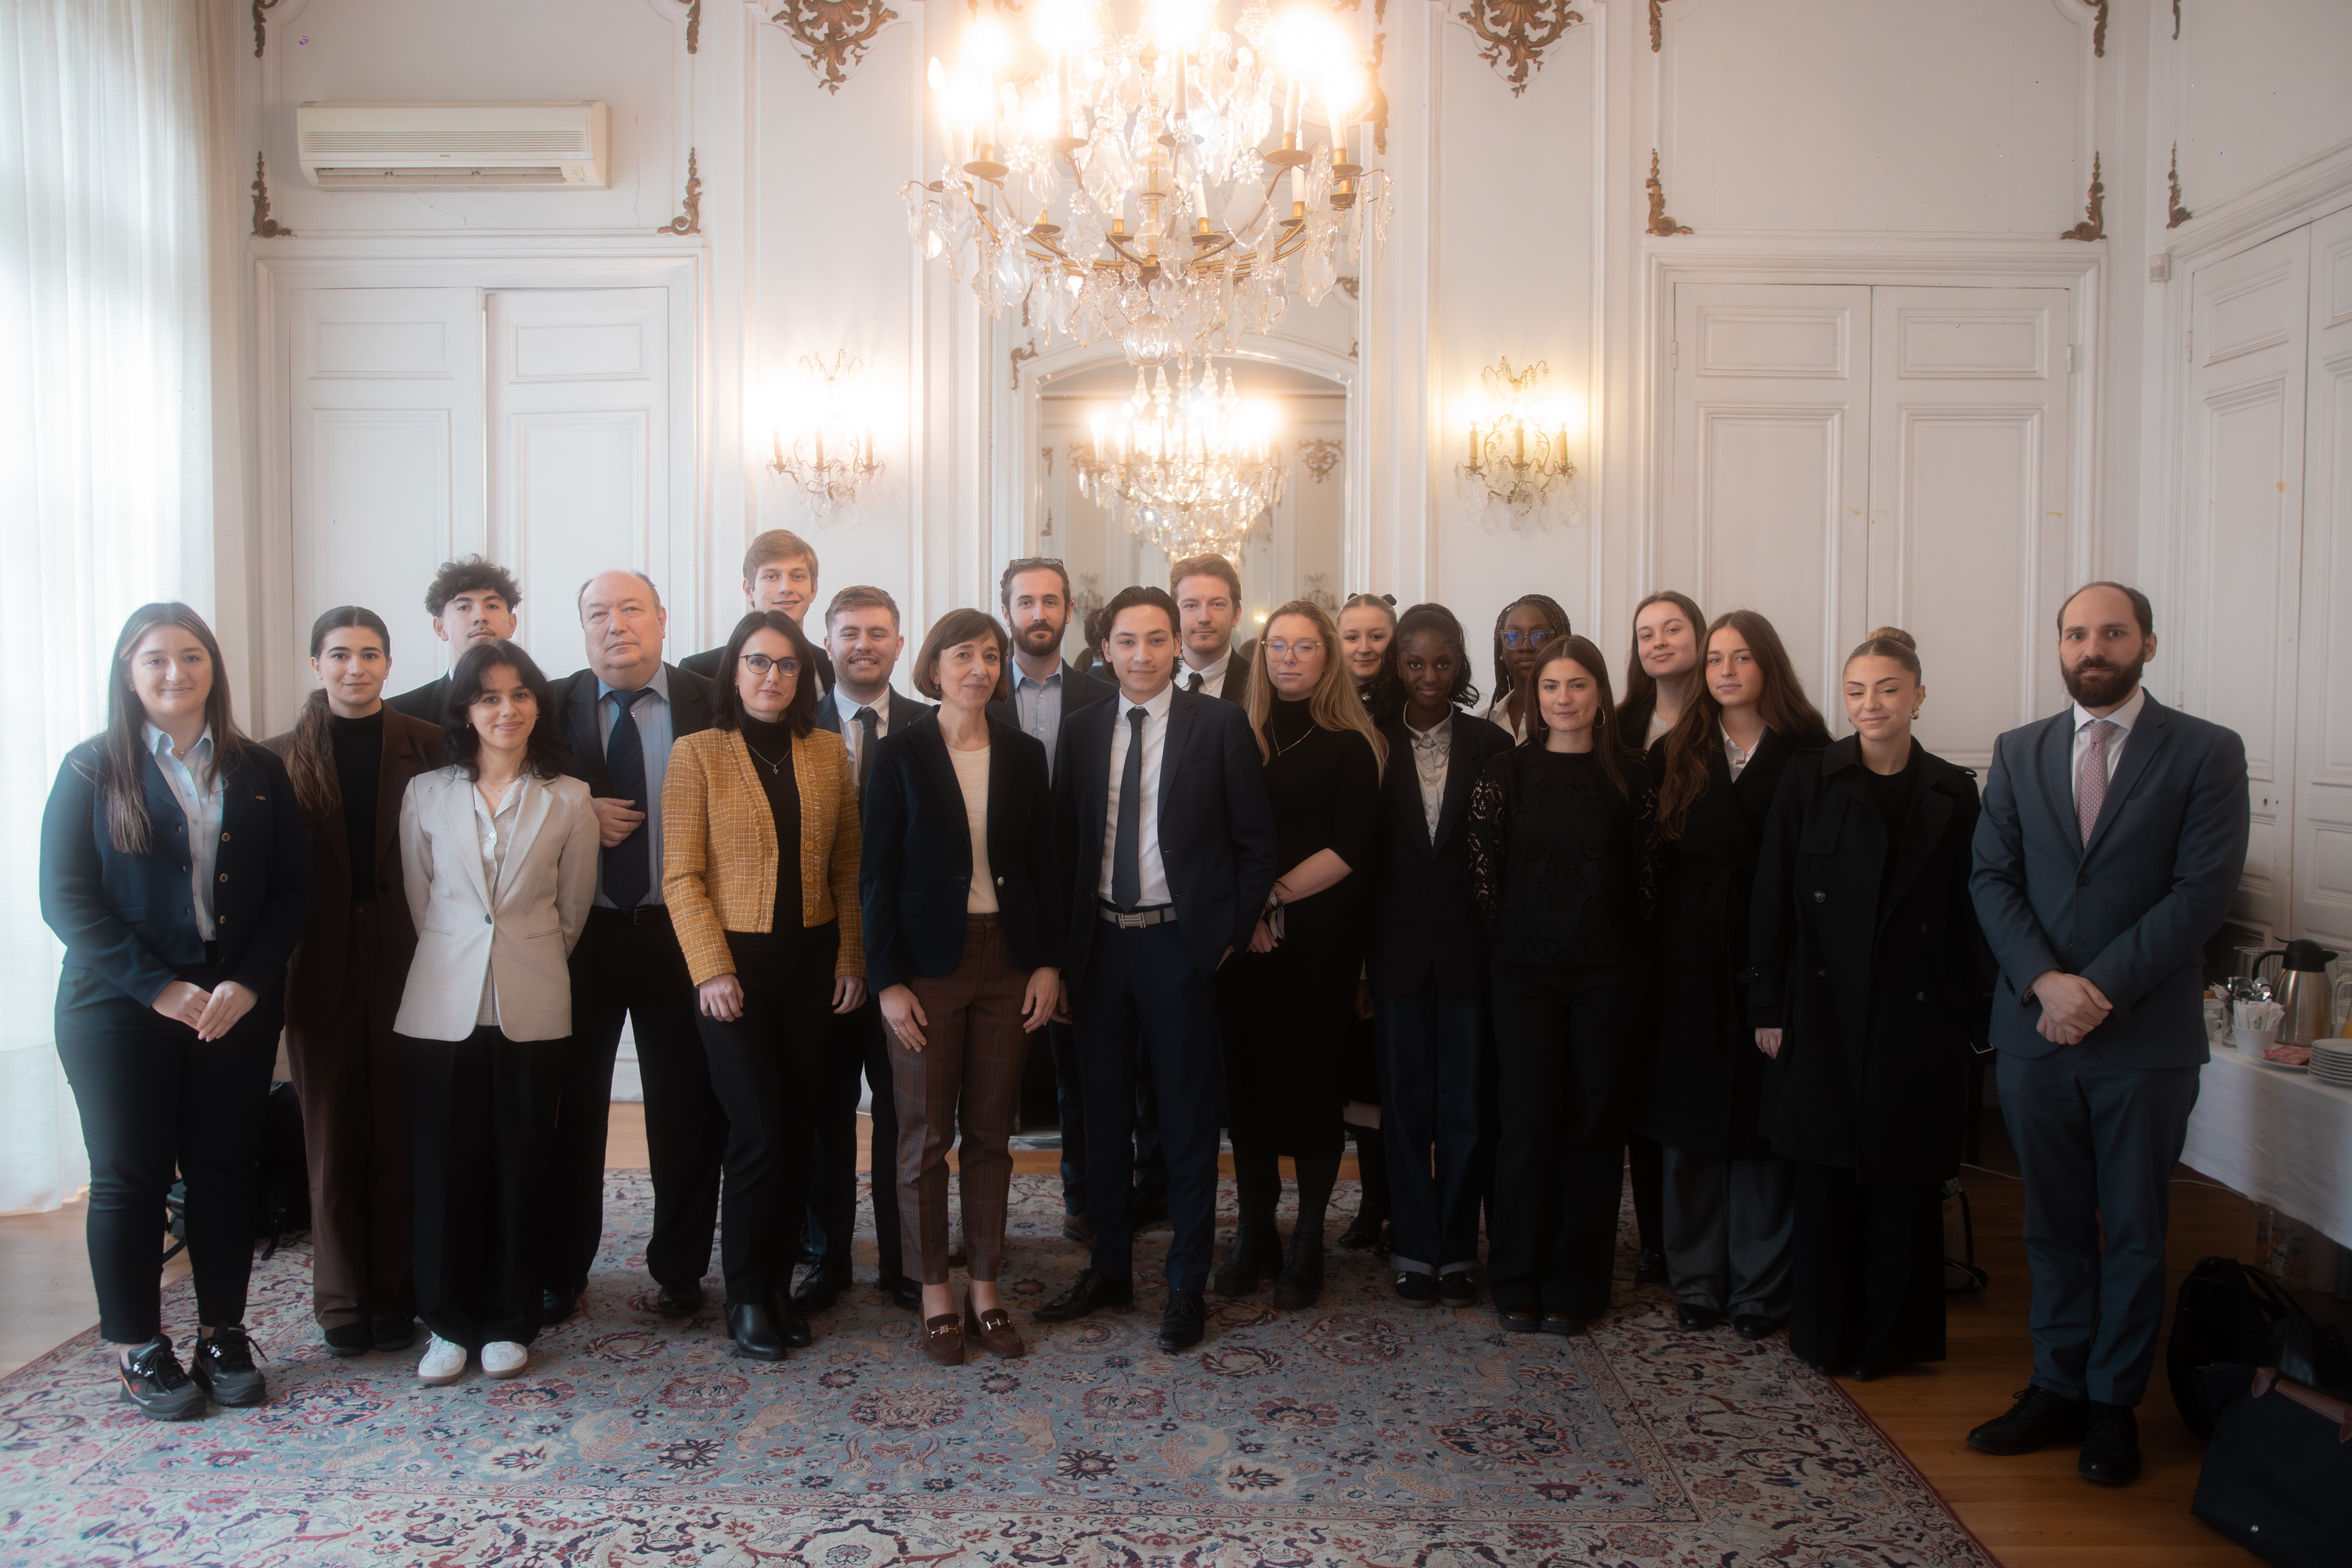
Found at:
(314, 982)
(718, 847)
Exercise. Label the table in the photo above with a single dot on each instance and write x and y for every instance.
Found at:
(2283, 1139)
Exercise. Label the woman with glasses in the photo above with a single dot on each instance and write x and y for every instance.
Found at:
(760, 847)
(1528, 624)
(1285, 1004)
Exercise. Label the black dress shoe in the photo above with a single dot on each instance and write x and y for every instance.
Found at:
(1458, 1287)
(1691, 1315)
(2038, 1419)
(1415, 1288)
(678, 1301)
(1564, 1324)
(394, 1335)
(1755, 1326)
(791, 1327)
(1651, 1268)
(1515, 1319)
(222, 1367)
(1254, 1259)
(1364, 1234)
(158, 1384)
(754, 1332)
(1086, 1292)
(1862, 1371)
(555, 1305)
(819, 1291)
(2110, 1447)
(1149, 1209)
(1184, 1322)
(348, 1338)
(904, 1294)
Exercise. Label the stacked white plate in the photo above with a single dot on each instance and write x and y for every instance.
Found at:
(2331, 1062)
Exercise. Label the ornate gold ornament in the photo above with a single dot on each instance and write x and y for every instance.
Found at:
(2099, 27)
(693, 26)
(834, 34)
(1518, 463)
(1514, 34)
(2095, 223)
(1045, 455)
(2176, 214)
(2176, 21)
(1661, 223)
(1378, 112)
(264, 226)
(1658, 24)
(1320, 458)
(690, 220)
(1026, 351)
(261, 32)
(1352, 286)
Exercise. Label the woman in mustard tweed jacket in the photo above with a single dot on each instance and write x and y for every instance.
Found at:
(759, 867)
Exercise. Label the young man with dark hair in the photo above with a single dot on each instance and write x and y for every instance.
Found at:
(1208, 595)
(779, 573)
(471, 601)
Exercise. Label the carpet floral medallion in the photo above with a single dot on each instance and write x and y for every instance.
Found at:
(1360, 1431)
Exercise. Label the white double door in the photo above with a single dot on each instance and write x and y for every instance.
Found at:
(1845, 457)
(532, 425)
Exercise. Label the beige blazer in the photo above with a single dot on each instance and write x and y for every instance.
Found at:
(526, 938)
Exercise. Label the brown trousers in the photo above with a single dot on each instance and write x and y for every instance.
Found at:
(355, 1135)
(971, 1063)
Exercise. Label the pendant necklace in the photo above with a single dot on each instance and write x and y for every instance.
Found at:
(774, 768)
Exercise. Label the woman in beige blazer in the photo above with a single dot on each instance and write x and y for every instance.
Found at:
(760, 850)
(498, 854)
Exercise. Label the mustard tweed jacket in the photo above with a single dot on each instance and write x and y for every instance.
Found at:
(718, 847)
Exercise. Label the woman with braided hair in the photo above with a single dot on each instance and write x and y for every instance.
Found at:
(1522, 631)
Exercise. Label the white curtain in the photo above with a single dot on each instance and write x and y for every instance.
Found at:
(106, 449)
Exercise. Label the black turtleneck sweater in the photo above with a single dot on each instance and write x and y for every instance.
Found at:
(359, 770)
(771, 759)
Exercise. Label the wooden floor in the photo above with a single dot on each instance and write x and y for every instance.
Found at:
(2030, 1512)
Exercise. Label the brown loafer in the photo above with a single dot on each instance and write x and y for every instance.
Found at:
(995, 1331)
(944, 1339)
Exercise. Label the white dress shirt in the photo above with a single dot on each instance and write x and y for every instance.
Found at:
(1738, 759)
(196, 783)
(1212, 676)
(495, 832)
(2123, 717)
(1518, 726)
(853, 734)
(1154, 884)
(1432, 751)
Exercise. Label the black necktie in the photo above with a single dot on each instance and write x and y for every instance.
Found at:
(1196, 682)
(1127, 848)
(864, 716)
(627, 866)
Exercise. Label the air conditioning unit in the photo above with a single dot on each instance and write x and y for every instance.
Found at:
(453, 146)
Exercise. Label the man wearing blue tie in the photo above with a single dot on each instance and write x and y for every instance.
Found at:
(2112, 840)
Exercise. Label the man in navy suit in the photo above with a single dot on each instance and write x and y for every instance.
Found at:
(1163, 822)
(2112, 839)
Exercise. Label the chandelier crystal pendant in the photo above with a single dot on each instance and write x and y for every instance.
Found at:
(1187, 468)
(827, 454)
(1518, 463)
(1164, 188)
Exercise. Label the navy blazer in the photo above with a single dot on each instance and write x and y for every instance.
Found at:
(423, 703)
(2132, 911)
(1216, 824)
(692, 703)
(916, 873)
(130, 918)
(1425, 929)
(896, 711)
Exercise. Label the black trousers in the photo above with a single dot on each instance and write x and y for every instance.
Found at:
(1144, 1011)
(1868, 1266)
(481, 1111)
(154, 1098)
(855, 1049)
(769, 1067)
(1433, 1052)
(1070, 1101)
(628, 968)
(1567, 1044)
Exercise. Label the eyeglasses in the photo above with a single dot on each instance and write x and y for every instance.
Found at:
(1306, 649)
(1528, 639)
(759, 663)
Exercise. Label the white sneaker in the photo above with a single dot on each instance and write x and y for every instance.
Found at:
(504, 1358)
(443, 1363)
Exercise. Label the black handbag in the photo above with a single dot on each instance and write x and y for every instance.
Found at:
(2278, 1476)
(2232, 1313)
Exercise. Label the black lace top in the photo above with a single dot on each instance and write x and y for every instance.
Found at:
(1564, 869)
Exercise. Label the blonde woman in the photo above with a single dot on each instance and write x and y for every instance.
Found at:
(1286, 1002)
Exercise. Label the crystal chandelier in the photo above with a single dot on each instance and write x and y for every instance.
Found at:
(1157, 187)
(1519, 461)
(1186, 467)
(828, 455)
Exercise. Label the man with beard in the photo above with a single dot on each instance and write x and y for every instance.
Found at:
(2112, 839)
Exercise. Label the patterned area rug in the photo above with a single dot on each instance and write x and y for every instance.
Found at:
(1361, 1431)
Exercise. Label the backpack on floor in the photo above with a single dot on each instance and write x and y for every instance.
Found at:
(1961, 1275)
(2232, 1313)
(2279, 1469)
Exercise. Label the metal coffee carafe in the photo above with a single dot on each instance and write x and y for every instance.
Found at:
(2302, 990)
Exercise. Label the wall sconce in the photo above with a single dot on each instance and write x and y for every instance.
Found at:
(831, 455)
(1518, 458)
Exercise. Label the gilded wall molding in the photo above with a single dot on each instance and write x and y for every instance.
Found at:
(1320, 458)
(2099, 27)
(1662, 222)
(1045, 456)
(2095, 219)
(261, 29)
(693, 26)
(834, 34)
(264, 226)
(1379, 115)
(1514, 34)
(2176, 21)
(2175, 213)
(1026, 351)
(1657, 25)
(690, 220)
(1352, 286)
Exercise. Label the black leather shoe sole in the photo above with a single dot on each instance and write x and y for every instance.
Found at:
(1519, 1320)
(348, 1338)
(678, 1301)
(1296, 1292)
(555, 1305)
(1697, 1318)
(1179, 1338)
(1071, 1311)
(394, 1335)
(1360, 1236)
(1753, 1326)
(1564, 1324)
(904, 1293)
(2006, 1446)
(2108, 1470)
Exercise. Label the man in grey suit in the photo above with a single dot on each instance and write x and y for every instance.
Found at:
(2112, 839)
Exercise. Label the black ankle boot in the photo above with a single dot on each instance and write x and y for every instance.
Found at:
(1301, 1280)
(1256, 1253)
(1372, 1221)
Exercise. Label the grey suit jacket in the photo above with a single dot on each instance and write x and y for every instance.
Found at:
(2131, 911)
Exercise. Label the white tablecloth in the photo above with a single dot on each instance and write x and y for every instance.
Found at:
(2282, 1138)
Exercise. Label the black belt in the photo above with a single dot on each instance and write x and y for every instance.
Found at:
(643, 915)
(1158, 914)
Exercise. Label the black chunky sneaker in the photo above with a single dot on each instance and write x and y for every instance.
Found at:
(222, 1366)
(158, 1384)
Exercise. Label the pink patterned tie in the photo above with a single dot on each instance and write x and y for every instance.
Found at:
(2091, 782)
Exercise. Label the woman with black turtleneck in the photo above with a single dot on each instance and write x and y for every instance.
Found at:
(1368, 627)
(1563, 845)
(1285, 1004)
(351, 758)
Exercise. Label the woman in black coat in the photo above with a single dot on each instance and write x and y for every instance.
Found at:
(1871, 984)
(1727, 1194)
(176, 868)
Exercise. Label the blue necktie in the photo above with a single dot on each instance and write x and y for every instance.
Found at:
(626, 868)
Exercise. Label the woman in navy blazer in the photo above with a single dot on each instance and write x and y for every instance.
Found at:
(176, 868)
(964, 940)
